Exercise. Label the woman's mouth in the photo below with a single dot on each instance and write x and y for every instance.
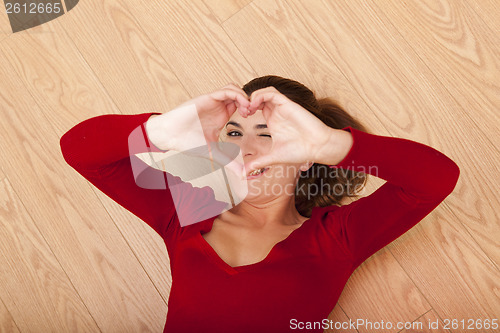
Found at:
(257, 173)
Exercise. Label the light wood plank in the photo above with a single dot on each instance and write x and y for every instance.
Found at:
(146, 244)
(196, 47)
(34, 286)
(224, 9)
(488, 11)
(5, 29)
(135, 75)
(450, 269)
(382, 82)
(374, 55)
(338, 321)
(378, 280)
(100, 264)
(469, 66)
(458, 48)
(428, 323)
(7, 323)
(152, 87)
(56, 75)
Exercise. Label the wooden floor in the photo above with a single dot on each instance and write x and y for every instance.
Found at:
(71, 260)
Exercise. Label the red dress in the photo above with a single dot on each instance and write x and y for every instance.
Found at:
(302, 277)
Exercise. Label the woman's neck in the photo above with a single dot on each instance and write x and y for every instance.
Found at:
(277, 212)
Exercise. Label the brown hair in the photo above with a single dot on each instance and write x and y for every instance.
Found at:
(319, 176)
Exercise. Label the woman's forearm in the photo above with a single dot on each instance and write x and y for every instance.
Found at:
(338, 145)
(418, 169)
(179, 129)
(157, 132)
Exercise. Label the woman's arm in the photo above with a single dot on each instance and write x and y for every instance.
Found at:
(418, 179)
(101, 149)
(418, 176)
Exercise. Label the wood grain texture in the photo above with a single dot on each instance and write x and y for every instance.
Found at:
(193, 43)
(464, 282)
(468, 65)
(224, 9)
(34, 286)
(488, 11)
(135, 75)
(378, 279)
(146, 244)
(153, 87)
(7, 323)
(89, 247)
(338, 318)
(459, 49)
(5, 29)
(378, 66)
(57, 77)
(428, 323)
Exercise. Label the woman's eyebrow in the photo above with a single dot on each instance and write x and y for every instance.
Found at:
(235, 124)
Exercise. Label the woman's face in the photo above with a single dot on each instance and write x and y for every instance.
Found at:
(254, 140)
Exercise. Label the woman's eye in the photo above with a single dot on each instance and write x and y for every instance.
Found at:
(266, 135)
(233, 133)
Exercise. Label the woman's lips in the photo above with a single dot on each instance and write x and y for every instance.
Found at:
(250, 176)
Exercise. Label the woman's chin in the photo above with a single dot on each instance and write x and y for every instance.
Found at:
(256, 196)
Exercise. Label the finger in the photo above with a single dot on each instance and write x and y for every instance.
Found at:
(252, 111)
(224, 95)
(231, 108)
(243, 108)
(266, 96)
(235, 87)
(261, 91)
(229, 95)
(243, 111)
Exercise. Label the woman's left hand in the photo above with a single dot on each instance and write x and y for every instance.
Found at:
(297, 135)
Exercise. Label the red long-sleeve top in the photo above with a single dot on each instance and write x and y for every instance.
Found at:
(302, 277)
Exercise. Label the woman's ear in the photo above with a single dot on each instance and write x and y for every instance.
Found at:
(306, 166)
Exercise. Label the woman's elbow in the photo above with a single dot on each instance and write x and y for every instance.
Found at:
(449, 179)
(65, 146)
(71, 151)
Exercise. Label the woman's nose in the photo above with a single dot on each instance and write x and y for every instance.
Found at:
(249, 147)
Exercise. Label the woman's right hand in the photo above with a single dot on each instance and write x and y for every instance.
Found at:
(198, 121)
(194, 127)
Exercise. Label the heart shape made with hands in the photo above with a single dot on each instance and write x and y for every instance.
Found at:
(260, 98)
(296, 132)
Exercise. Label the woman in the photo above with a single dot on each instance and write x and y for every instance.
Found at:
(279, 259)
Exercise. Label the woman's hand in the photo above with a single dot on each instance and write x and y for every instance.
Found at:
(198, 121)
(194, 126)
(297, 135)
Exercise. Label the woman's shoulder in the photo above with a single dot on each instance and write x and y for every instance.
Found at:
(319, 213)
